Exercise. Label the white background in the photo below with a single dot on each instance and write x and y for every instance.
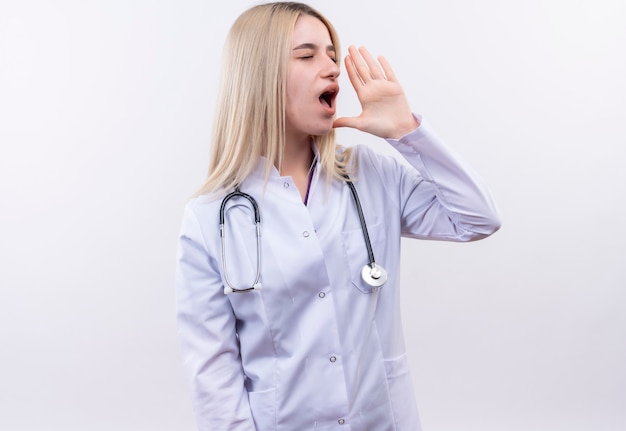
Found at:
(105, 116)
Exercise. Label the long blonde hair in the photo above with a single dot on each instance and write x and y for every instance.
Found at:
(249, 118)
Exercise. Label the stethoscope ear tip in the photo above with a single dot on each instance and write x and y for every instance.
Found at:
(257, 286)
(227, 290)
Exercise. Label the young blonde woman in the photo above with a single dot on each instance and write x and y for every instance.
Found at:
(299, 328)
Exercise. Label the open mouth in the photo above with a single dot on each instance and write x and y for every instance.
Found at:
(328, 98)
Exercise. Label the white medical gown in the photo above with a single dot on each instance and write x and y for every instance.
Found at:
(316, 348)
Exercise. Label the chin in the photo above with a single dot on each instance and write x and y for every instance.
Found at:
(323, 130)
(322, 133)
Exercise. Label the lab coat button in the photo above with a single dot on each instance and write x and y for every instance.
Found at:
(286, 185)
(321, 294)
(305, 234)
(341, 421)
(333, 359)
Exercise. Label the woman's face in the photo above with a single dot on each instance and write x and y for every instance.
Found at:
(311, 80)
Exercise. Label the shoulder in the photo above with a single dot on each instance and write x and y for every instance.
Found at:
(206, 202)
(201, 215)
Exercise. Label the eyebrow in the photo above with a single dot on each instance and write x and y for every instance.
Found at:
(313, 46)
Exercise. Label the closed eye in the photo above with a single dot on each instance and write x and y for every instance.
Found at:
(308, 57)
(311, 47)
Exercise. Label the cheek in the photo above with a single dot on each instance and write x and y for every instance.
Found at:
(296, 101)
(291, 106)
(298, 87)
(294, 92)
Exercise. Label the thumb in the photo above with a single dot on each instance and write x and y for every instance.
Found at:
(346, 122)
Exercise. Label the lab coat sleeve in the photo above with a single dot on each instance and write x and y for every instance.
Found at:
(442, 198)
(209, 345)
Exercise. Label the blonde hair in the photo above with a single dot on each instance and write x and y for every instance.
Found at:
(249, 118)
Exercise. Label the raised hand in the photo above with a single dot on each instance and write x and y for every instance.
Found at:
(385, 109)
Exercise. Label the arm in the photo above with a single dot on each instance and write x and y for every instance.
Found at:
(441, 198)
(206, 325)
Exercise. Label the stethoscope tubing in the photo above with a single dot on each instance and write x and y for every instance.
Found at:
(359, 209)
(373, 274)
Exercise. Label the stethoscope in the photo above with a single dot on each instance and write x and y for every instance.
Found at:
(372, 273)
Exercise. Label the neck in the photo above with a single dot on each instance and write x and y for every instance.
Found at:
(297, 155)
(297, 160)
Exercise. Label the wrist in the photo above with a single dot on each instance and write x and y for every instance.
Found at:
(406, 127)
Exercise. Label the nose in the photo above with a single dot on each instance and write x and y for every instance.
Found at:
(331, 69)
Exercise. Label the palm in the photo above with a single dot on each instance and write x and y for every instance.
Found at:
(385, 110)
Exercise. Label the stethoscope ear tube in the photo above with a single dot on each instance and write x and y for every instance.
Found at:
(229, 288)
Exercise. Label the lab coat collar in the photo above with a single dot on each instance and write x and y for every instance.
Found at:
(256, 180)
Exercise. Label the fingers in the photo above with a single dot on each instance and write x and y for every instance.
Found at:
(371, 64)
(353, 74)
(389, 73)
(364, 66)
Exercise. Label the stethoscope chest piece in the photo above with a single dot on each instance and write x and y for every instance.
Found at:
(374, 275)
